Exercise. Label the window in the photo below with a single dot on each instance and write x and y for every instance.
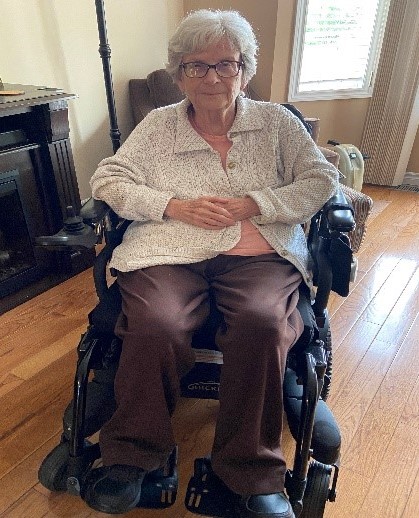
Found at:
(336, 48)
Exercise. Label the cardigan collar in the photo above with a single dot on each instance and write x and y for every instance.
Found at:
(187, 139)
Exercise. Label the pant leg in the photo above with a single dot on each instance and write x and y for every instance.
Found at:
(258, 297)
(161, 308)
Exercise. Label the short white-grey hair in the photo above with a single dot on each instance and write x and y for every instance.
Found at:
(204, 27)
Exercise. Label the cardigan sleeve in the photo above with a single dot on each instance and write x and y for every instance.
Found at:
(121, 180)
(309, 179)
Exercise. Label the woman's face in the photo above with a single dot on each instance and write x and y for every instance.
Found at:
(212, 92)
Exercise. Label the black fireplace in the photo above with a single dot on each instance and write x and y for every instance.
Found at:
(37, 183)
(18, 263)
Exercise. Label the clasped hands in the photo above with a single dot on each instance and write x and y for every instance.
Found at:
(212, 212)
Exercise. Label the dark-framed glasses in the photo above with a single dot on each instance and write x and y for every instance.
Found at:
(222, 68)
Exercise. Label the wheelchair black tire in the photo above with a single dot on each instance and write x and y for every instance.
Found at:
(317, 490)
(325, 392)
(52, 473)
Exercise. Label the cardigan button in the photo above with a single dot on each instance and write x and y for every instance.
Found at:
(231, 165)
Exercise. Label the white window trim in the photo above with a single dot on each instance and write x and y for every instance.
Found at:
(297, 56)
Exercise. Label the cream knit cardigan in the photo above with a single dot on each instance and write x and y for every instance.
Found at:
(273, 159)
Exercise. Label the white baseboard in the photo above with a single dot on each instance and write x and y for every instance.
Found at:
(411, 179)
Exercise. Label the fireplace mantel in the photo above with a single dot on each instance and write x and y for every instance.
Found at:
(35, 143)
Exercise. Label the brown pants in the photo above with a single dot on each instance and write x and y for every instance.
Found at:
(162, 306)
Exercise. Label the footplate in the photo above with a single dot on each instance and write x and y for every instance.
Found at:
(206, 494)
(159, 488)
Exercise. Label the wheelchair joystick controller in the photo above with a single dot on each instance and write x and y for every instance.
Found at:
(75, 234)
(73, 224)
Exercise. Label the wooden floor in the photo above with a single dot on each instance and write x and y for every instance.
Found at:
(375, 390)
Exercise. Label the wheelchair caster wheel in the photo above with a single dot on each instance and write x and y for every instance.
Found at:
(317, 490)
(53, 471)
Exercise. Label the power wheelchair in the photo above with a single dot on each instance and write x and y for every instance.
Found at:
(311, 481)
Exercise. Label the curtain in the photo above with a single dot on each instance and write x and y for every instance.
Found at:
(395, 90)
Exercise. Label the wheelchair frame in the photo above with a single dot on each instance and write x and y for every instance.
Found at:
(67, 465)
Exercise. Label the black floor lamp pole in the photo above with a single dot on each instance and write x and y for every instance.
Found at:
(105, 54)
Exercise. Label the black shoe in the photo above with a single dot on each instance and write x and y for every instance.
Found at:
(275, 505)
(113, 489)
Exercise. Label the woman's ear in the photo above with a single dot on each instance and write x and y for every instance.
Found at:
(243, 88)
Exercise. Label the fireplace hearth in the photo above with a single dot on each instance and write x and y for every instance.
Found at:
(37, 183)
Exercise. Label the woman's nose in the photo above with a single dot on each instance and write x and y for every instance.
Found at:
(212, 76)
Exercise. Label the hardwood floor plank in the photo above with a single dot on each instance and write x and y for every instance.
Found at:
(48, 355)
(371, 249)
(403, 313)
(26, 344)
(62, 298)
(387, 296)
(349, 354)
(356, 397)
(352, 490)
(412, 506)
(9, 382)
(387, 409)
(22, 478)
(395, 477)
(37, 505)
(382, 231)
(377, 291)
(359, 298)
(34, 413)
(410, 414)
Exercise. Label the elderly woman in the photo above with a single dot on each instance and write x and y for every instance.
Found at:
(217, 187)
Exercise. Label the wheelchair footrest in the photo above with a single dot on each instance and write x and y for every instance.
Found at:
(208, 495)
(159, 488)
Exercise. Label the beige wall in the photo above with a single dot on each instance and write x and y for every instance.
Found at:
(56, 44)
(413, 165)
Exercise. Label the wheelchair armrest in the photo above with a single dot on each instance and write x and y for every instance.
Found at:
(94, 211)
(333, 263)
(75, 234)
(339, 213)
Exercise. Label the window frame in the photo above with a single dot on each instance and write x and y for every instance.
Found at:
(297, 56)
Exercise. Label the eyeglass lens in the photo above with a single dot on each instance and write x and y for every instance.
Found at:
(223, 68)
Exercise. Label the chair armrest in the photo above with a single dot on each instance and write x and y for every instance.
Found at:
(362, 205)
